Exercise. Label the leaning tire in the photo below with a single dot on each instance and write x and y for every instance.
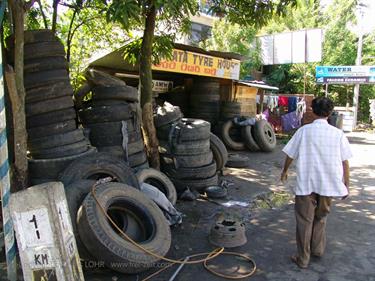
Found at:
(160, 181)
(264, 135)
(219, 152)
(227, 138)
(250, 142)
(164, 117)
(99, 165)
(151, 229)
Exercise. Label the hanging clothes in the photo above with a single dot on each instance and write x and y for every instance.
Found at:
(283, 101)
(290, 121)
(266, 114)
(292, 104)
(301, 108)
(272, 102)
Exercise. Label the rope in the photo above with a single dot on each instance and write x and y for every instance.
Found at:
(208, 255)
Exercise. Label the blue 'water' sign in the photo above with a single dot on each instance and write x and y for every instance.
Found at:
(361, 74)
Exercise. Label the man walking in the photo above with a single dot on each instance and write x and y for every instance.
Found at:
(321, 152)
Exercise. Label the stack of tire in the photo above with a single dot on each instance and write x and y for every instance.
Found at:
(205, 100)
(230, 110)
(185, 153)
(258, 137)
(112, 119)
(133, 213)
(54, 140)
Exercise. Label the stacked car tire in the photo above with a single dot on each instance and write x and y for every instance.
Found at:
(54, 140)
(114, 126)
(185, 153)
(205, 100)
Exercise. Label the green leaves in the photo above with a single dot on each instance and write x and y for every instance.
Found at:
(124, 12)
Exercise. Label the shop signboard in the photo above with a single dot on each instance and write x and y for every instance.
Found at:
(200, 64)
(362, 74)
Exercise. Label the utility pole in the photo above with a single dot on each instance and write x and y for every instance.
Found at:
(358, 60)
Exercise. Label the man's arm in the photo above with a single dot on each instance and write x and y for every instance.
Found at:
(284, 173)
(345, 167)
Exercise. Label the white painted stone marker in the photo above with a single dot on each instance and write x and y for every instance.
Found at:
(44, 233)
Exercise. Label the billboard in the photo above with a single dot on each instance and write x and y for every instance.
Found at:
(292, 47)
(361, 74)
(198, 64)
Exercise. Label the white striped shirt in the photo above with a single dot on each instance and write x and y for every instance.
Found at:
(319, 150)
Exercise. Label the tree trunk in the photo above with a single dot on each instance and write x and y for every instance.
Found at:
(54, 15)
(17, 97)
(145, 71)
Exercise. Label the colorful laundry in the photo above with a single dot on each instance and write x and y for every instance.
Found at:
(290, 121)
(283, 101)
(292, 104)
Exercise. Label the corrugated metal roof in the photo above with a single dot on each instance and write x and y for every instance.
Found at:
(258, 84)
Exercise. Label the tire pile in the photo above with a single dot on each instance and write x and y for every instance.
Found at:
(185, 150)
(205, 100)
(54, 140)
(112, 119)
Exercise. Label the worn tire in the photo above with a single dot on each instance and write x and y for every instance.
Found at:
(51, 129)
(196, 184)
(43, 49)
(219, 152)
(62, 151)
(228, 140)
(47, 63)
(237, 160)
(126, 93)
(133, 148)
(160, 181)
(187, 161)
(111, 113)
(43, 93)
(100, 78)
(202, 172)
(99, 165)
(76, 193)
(45, 78)
(33, 36)
(163, 118)
(186, 129)
(50, 117)
(250, 142)
(50, 105)
(114, 140)
(106, 245)
(264, 135)
(137, 159)
(111, 128)
(51, 168)
(56, 140)
(185, 148)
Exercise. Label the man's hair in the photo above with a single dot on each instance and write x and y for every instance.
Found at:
(322, 106)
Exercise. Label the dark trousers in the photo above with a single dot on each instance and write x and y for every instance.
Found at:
(311, 217)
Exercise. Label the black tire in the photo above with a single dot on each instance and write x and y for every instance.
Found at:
(187, 161)
(137, 159)
(62, 151)
(43, 78)
(264, 135)
(51, 168)
(237, 160)
(219, 152)
(186, 129)
(99, 78)
(33, 36)
(196, 184)
(76, 193)
(133, 148)
(106, 244)
(190, 173)
(185, 148)
(43, 64)
(126, 93)
(143, 166)
(44, 49)
(114, 140)
(99, 114)
(50, 105)
(206, 90)
(164, 117)
(99, 165)
(249, 139)
(160, 181)
(50, 117)
(227, 138)
(56, 140)
(112, 128)
(52, 91)
(204, 98)
(52, 129)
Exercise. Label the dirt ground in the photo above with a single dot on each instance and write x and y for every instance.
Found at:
(270, 226)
